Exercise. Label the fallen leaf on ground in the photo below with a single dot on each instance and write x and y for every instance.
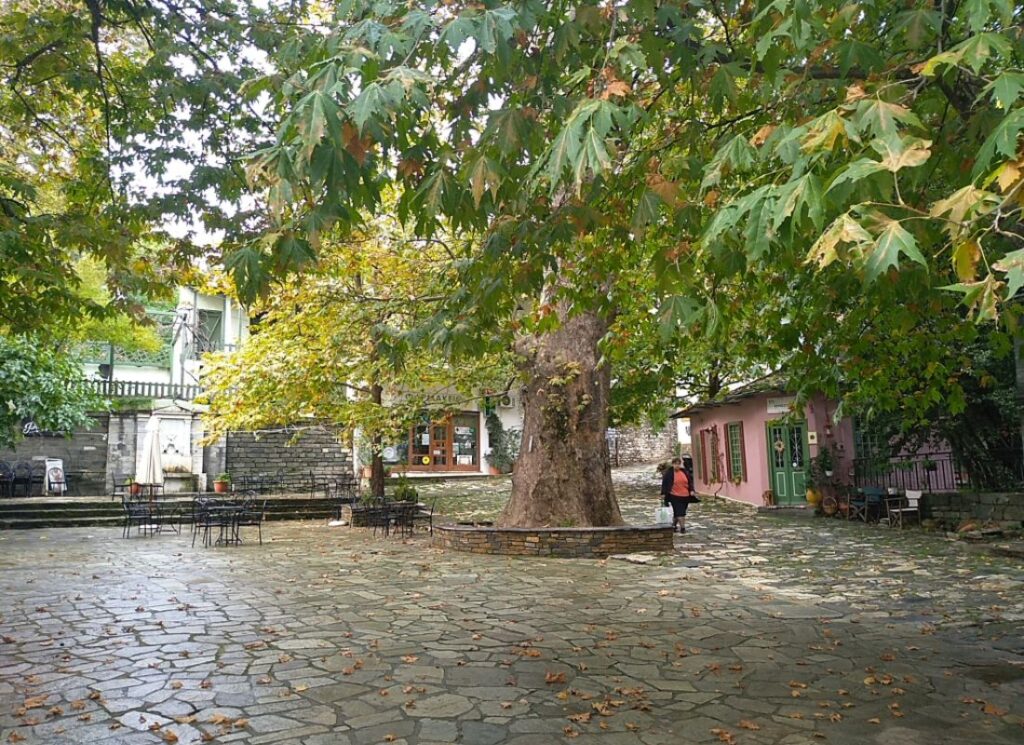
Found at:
(724, 735)
(569, 731)
(551, 678)
(583, 716)
(874, 720)
(747, 724)
(994, 710)
(35, 702)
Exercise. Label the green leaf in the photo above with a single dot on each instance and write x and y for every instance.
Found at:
(801, 194)
(248, 270)
(980, 297)
(890, 243)
(1013, 266)
(292, 252)
(976, 50)
(675, 310)
(879, 117)
(368, 105)
(1003, 141)
(1006, 88)
(856, 171)
(853, 53)
(918, 25)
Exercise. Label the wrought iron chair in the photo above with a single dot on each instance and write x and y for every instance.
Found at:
(251, 514)
(138, 513)
(344, 490)
(6, 479)
(402, 516)
(22, 478)
(122, 485)
(426, 514)
(39, 476)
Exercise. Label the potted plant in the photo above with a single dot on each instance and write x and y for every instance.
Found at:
(825, 462)
(134, 488)
(405, 491)
(222, 483)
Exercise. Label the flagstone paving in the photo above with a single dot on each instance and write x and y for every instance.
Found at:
(757, 630)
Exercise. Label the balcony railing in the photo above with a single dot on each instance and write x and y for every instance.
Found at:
(144, 389)
(942, 472)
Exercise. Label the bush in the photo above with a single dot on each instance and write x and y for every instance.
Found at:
(505, 444)
(405, 491)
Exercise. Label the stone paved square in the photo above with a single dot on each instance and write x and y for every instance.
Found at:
(756, 630)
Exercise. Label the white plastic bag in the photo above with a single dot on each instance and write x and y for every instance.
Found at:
(663, 516)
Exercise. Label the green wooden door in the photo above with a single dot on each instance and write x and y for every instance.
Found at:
(787, 461)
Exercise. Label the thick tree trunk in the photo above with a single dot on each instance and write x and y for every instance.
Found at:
(563, 475)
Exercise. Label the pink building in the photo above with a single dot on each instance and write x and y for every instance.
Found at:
(750, 442)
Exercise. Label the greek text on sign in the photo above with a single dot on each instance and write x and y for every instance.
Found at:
(781, 405)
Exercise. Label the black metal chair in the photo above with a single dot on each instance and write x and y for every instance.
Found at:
(343, 491)
(122, 486)
(378, 517)
(251, 514)
(6, 479)
(426, 514)
(214, 513)
(402, 516)
(22, 478)
(137, 513)
(317, 483)
(39, 476)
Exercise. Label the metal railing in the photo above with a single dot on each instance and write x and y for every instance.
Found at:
(144, 389)
(939, 472)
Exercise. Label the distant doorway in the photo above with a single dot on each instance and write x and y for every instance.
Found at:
(787, 461)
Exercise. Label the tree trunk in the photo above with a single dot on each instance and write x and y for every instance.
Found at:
(1018, 360)
(377, 446)
(562, 477)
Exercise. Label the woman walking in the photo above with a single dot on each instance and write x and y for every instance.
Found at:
(675, 488)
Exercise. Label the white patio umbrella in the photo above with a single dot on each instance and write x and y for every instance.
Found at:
(151, 469)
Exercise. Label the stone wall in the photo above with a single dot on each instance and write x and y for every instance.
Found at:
(84, 454)
(642, 444)
(316, 450)
(555, 542)
(953, 508)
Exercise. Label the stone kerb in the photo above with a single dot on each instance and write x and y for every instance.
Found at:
(554, 542)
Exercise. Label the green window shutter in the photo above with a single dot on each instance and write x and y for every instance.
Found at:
(737, 465)
(698, 456)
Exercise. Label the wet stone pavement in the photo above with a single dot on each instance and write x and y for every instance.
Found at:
(757, 630)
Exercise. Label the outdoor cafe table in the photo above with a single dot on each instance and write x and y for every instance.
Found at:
(225, 516)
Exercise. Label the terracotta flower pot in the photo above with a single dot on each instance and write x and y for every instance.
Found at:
(221, 487)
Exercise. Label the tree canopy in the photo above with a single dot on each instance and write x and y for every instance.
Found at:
(731, 185)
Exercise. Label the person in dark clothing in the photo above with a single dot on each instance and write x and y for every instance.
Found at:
(677, 491)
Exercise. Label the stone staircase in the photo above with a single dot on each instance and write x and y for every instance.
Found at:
(76, 512)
